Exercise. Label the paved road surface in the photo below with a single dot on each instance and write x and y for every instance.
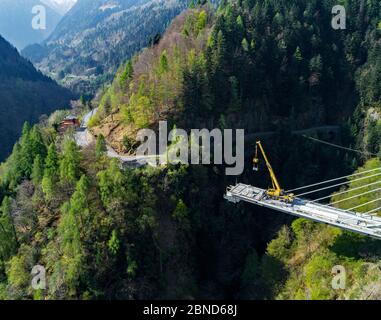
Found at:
(83, 138)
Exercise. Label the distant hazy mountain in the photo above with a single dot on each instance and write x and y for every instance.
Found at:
(95, 36)
(25, 94)
(60, 6)
(16, 22)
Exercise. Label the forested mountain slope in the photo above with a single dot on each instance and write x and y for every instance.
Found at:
(308, 251)
(260, 67)
(96, 36)
(25, 94)
(103, 231)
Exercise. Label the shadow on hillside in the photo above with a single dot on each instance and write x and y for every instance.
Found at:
(356, 246)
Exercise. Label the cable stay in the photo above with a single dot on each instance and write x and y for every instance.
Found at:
(346, 191)
(337, 185)
(333, 180)
(374, 210)
(356, 196)
(331, 205)
(362, 205)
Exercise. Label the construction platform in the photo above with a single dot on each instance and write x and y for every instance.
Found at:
(366, 224)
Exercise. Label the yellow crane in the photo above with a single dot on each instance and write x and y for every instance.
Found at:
(276, 191)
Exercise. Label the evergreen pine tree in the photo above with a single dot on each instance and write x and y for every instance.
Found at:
(26, 152)
(163, 63)
(37, 143)
(50, 177)
(8, 239)
(37, 170)
(69, 164)
(100, 147)
(127, 74)
(298, 54)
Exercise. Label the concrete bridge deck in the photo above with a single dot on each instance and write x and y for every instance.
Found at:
(369, 225)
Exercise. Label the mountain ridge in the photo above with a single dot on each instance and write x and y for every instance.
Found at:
(16, 22)
(93, 38)
(25, 95)
(60, 6)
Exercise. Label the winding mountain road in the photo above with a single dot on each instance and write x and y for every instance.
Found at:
(83, 137)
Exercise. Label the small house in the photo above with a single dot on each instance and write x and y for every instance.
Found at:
(69, 122)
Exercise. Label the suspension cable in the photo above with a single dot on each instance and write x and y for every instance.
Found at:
(339, 147)
(333, 180)
(337, 185)
(355, 196)
(346, 191)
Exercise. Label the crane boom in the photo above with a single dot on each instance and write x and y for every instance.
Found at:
(276, 191)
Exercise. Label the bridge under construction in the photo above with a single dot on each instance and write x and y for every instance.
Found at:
(275, 198)
(366, 224)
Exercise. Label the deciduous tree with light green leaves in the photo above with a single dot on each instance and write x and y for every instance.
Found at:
(201, 21)
(114, 243)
